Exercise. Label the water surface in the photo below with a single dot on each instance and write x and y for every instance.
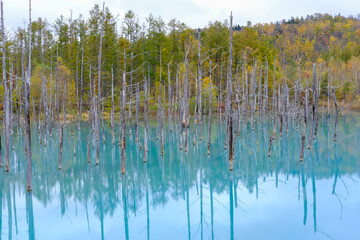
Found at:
(188, 195)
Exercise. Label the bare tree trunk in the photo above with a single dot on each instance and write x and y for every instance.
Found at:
(259, 95)
(230, 117)
(269, 151)
(317, 106)
(280, 111)
(195, 114)
(27, 113)
(303, 136)
(99, 89)
(176, 99)
(61, 145)
(146, 119)
(81, 88)
(57, 90)
(169, 101)
(274, 87)
(296, 93)
(210, 109)
(313, 107)
(266, 90)
(112, 107)
(158, 114)
(123, 119)
(137, 113)
(328, 92)
(77, 90)
(337, 113)
(130, 89)
(1, 158)
(162, 117)
(186, 109)
(199, 89)
(88, 147)
(6, 95)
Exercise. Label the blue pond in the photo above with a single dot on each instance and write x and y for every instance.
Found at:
(188, 195)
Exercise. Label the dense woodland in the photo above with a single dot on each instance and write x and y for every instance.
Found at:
(111, 67)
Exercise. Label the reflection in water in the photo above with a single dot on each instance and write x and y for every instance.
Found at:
(30, 215)
(188, 195)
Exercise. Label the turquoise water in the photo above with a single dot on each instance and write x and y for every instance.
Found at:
(188, 195)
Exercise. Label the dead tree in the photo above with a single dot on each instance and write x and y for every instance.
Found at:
(1, 158)
(199, 89)
(6, 95)
(61, 145)
(81, 86)
(170, 102)
(303, 135)
(296, 93)
(185, 102)
(162, 116)
(230, 114)
(123, 118)
(314, 110)
(266, 90)
(274, 88)
(146, 119)
(88, 147)
(27, 113)
(210, 109)
(112, 107)
(336, 112)
(137, 97)
(99, 89)
(57, 89)
(130, 90)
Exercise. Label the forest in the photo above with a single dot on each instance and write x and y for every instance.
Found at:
(110, 71)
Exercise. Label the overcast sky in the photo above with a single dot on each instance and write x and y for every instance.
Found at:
(194, 13)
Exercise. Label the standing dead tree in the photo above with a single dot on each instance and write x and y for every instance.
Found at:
(314, 108)
(336, 112)
(199, 88)
(146, 119)
(123, 118)
(210, 109)
(6, 95)
(27, 112)
(303, 135)
(112, 123)
(230, 114)
(99, 90)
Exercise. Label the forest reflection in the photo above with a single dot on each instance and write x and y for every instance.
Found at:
(146, 188)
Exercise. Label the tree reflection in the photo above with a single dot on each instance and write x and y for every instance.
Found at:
(103, 189)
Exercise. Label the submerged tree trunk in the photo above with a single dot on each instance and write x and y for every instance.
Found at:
(230, 117)
(99, 90)
(210, 109)
(6, 93)
(303, 135)
(88, 148)
(1, 158)
(336, 112)
(112, 107)
(146, 119)
(61, 145)
(137, 113)
(169, 101)
(123, 125)
(199, 89)
(185, 103)
(27, 113)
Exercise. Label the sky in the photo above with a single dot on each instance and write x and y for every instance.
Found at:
(194, 13)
